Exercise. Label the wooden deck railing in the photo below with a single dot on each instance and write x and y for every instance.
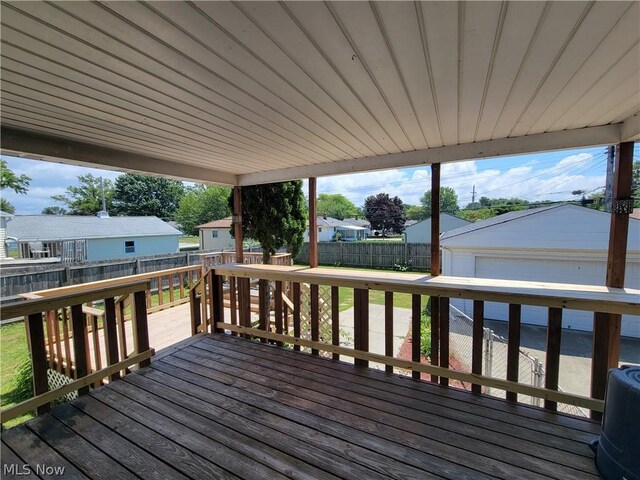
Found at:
(45, 317)
(166, 289)
(556, 297)
(210, 260)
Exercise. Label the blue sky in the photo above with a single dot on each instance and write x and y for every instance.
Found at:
(536, 177)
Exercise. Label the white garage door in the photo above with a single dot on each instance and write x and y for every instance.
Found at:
(562, 271)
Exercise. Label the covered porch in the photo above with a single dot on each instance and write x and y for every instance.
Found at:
(242, 94)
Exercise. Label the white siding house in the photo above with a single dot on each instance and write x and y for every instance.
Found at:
(328, 228)
(105, 237)
(420, 232)
(216, 235)
(565, 244)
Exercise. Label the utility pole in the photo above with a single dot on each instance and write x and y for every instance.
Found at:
(608, 191)
(473, 195)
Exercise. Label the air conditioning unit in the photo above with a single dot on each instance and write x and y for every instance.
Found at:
(618, 452)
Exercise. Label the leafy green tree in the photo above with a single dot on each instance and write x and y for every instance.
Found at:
(448, 201)
(86, 197)
(17, 183)
(414, 212)
(202, 204)
(142, 195)
(274, 215)
(385, 214)
(635, 184)
(336, 206)
(6, 206)
(8, 179)
(54, 211)
(476, 215)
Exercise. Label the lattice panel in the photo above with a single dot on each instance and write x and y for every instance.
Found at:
(324, 300)
(57, 380)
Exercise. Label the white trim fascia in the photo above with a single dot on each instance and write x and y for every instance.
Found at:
(562, 140)
(21, 143)
(630, 131)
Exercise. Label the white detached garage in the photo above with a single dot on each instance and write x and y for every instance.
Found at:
(564, 243)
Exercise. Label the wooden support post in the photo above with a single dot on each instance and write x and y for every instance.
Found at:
(141, 327)
(35, 330)
(314, 295)
(513, 347)
(237, 223)
(435, 219)
(111, 335)
(552, 362)
(477, 341)
(78, 326)
(335, 319)
(435, 336)
(606, 327)
(416, 320)
(444, 337)
(296, 313)
(313, 223)
(361, 323)
(216, 301)
(388, 328)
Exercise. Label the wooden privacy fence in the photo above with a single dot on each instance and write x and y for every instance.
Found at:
(382, 255)
(555, 297)
(62, 316)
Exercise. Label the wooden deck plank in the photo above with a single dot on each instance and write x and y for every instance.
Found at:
(258, 449)
(415, 409)
(424, 400)
(13, 466)
(428, 463)
(93, 463)
(334, 454)
(128, 454)
(192, 465)
(215, 406)
(499, 409)
(380, 435)
(196, 442)
(344, 406)
(34, 451)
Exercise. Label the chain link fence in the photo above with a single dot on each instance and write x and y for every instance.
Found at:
(531, 370)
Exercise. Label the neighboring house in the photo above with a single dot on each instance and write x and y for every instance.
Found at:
(360, 222)
(328, 228)
(562, 243)
(4, 218)
(420, 232)
(216, 235)
(102, 238)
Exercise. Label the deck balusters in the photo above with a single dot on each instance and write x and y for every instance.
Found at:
(477, 340)
(552, 362)
(361, 323)
(513, 348)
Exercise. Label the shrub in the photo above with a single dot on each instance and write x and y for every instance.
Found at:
(22, 383)
(425, 333)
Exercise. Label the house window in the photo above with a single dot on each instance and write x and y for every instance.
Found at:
(129, 246)
(319, 229)
(214, 233)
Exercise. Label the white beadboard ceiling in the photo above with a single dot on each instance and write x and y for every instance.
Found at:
(249, 92)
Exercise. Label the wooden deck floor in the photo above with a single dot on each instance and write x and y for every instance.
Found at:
(221, 407)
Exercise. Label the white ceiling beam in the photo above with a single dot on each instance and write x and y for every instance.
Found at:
(630, 131)
(22, 143)
(578, 138)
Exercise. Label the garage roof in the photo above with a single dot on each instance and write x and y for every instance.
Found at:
(254, 92)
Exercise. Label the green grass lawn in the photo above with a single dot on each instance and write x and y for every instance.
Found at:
(14, 352)
(190, 239)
